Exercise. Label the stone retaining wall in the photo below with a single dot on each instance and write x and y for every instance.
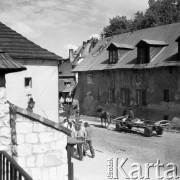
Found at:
(41, 150)
(5, 129)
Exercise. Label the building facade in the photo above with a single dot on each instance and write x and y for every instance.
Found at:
(138, 70)
(39, 81)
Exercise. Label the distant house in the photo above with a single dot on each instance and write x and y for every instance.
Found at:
(79, 54)
(67, 80)
(39, 81)
(139, 70)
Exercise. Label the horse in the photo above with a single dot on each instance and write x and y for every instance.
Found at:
(104, 115)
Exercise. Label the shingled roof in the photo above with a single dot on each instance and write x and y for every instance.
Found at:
(165, 35)
(18, 47)
(7, 64)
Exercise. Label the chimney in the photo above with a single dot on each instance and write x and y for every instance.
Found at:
(71, 55)
(84, 44)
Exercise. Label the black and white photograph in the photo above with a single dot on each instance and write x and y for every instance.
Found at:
(89, 89)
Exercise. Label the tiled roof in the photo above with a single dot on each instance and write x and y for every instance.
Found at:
(99, 57)
(7, 64)
(18, 47)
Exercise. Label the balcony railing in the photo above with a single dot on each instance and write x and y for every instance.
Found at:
(10, 170)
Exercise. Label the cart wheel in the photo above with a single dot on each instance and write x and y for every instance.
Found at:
(129, 126)
(147, 132)
(118, 127)
(159, 130)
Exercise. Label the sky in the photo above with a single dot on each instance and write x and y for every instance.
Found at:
(60, 25)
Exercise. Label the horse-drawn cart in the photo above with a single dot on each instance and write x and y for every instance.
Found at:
(149, 126)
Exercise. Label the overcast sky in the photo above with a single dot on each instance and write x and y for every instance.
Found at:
(58, 25)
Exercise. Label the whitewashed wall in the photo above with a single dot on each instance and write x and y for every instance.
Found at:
(44, 87)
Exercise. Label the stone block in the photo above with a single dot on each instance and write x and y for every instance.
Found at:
(45, 174)
(63, 155)
(46, 137)
(24, 149)
(4, 148)
(65, 177)
(5, 141)
(6, 120)
(30, 161)
(61, 144)
(28, 170)
(40, 160)
(6, 108)
(32, 138)
(2, 114)
(52, 146)
(53, 173)
(62, 136)
(22, 161)
(19, 118)
(56, 135)
(62, 171)
(1, 122)
(5, 132)
(40, 148)
(2, 90)
(36, 173)
(20, 138)
(52, 159)
(49, 129)
(24, 127)
(37, 127)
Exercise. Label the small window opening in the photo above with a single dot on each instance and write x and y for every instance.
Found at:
(166, 95)
(28, 82)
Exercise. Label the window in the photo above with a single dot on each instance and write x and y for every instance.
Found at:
(67, 83)
(141, 97)
(143, 55)
(125, 96)
(89, 78)
(28, 82)
(113, 56)
(111, 98)
(166, 95)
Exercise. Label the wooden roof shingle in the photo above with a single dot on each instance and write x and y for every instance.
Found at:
(7, 64)
(166, 35)
(19, 47)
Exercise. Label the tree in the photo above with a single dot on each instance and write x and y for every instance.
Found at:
(160, 12)
(118, 25)
(93, 41)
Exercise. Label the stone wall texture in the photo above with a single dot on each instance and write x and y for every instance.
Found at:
(5, 129)
(41, 150)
